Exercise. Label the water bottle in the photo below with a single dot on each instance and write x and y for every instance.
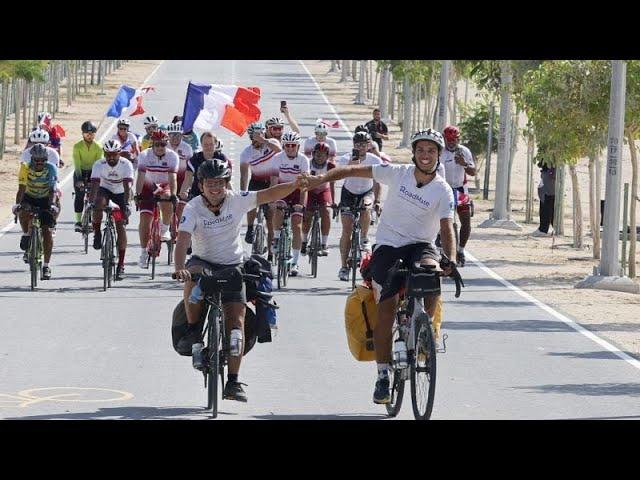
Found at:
(196, 355)
(235, 342)
(196, 294)
(400, 354)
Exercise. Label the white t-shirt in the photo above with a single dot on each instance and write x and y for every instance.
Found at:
(157, 169)
(356, 185)
(129, 145)
(311, 142)
(185, 152)
(52, 156)
(112, 178)
(259, 161)
(411, 214)
(216, 238)
(455, 172)
(287, 169)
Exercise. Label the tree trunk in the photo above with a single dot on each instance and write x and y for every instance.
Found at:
(383, 98)
(558, 215)
(3, 118)
(343, 73)
(632, 206)
(529, 200)
(466, 91)
(454, 88)
(392, 94)
(31, 99)
(69, 89)
(406, 121)
(354, 70)
(512, 154)
(577, 209)
(25, 103)
(594, 206)
(333, 67)
(16, 123)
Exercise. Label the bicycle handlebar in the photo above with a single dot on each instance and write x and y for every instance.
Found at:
(398, 269)
(197, 276)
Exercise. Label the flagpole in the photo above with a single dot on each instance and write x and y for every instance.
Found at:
(101, 121)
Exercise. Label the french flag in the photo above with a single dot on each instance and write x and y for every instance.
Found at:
(128, 99)
(211, 106)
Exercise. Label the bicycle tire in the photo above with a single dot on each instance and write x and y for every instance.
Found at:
(213, 346)
(397, 383)
(258, 241)
(169, 251)
(33, 257)
(281, 262)
(153, 267)
(86, 227)
(423, 361)
(355, 248)
(287, 257)
(106, 258)
(315, 247)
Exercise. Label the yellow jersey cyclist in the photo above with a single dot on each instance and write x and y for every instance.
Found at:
(418, 205)
(150, 125)
(85, 153)
(36, 188)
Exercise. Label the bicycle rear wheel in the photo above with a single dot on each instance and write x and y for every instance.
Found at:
(423, 368)
(315, 248)
(287, 258)
(282, 259)
(33, 257)
(86, 228)
(107, 252)
(355, 249)
(213, 346)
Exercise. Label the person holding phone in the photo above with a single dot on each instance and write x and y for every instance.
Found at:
(284, 109)
(356, 192)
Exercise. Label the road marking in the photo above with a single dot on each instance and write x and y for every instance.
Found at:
(66, 179)
(26, 398)
(579, 328)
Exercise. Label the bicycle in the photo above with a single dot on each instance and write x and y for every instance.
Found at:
(414, 326)
(355, 254)
(35, 249)
(87, 212)
(284, 247)
(108, 254)
(154, 244)
(315, 241)
(259, 243)
(215, 351)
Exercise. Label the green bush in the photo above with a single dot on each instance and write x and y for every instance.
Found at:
(475, 126)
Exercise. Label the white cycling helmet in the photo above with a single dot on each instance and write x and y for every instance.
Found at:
(39, 136)
(44, 117)
(151, 121)
(112, 146)
(273, 121)
(219, 146)
(174, 128)
(321, 129)
(124, 121)
(290, 137)
(428, 134)
(255, 127)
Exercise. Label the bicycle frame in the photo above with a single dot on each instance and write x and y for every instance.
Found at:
(107, 255)
(284, 247)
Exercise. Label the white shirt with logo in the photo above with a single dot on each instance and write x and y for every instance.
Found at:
(259, 161)
(311, 142)
(287, 169)
(157, 169)
(454, 172)
(216, 238)
(411, 214)
(356, 185)
(52, 156)
(112, 178)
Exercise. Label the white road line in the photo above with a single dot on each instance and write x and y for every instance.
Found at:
(579, 328)
(66, 179)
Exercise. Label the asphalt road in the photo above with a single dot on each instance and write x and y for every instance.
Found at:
(72, 351)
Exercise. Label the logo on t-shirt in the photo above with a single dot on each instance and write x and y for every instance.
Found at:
(451, 206)
(384, 165)
(184, 219)
(244, 194)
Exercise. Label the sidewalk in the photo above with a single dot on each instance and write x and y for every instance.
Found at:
(547, 268)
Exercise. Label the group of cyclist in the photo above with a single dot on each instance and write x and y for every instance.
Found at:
(195, 176)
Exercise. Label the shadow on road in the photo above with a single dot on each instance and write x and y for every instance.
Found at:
(590, 389)
(126, 413)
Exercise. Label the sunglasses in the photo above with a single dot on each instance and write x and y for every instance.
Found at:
(276, 128)
(159, 144)
(123, 128)
(290, 145)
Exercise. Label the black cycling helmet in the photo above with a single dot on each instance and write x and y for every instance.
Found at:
(361, 128)
(361, 137)
(38, 151)
(88, 126)
(215, 168)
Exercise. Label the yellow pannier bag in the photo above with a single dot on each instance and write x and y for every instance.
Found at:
(359, 322)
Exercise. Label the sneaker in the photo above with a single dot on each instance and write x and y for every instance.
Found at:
(119, 272)
(303, 250)
(53, 232)
(293, 270)
(166, 236)
(24, 242)
(538, 233)
(270, 257)
(78, 227)
(250, 235)
(25, 257)
(191, 336)
(189, 250)
(142, 261)
(343, 274)
(323, 251)
(460, 258)
(366, 245)
(97, 240)
(234, 391)
(381, 394)
(46, 273)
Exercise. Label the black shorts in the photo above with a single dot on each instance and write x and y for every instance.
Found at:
(383, 258)
(46, 217)
(257, 185)
(85, 176)
(117, 198)
(227, 297)
(348, 199)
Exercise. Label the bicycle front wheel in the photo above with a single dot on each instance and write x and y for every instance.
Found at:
(213, 346)
(355, 249)
(33, 258)
(397, 379)
(107, 251)
(423, 368)
(282, 262)
(315, 249)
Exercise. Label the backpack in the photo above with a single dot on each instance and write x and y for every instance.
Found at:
(359, 321)
(259, 293)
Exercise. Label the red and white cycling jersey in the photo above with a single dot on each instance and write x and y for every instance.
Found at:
(321, 171)
(129, 144)
(287, 169)
(185, 152)
(311, 142)
(157, 169)
(259, 161)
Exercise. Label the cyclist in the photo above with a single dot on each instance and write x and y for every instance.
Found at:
(255, 163)
(36, 188)
(321, 136)
(419, 204)
(55, 132)
(458, 163)
(185, 152)
(128, 140)
(189, 137)
(275, 128)
(150, 126)
(373, 146)
(189, 188)
(85, 153)
(357, 192)
(211, 222)
(321, 197)
(157, 165)
(287, 165)
(111, 179)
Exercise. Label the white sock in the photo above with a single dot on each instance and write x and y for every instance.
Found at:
(296, 255)
(276, 235)
(324, 239)
(143, 251)
(383, 370)
(164, 228)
